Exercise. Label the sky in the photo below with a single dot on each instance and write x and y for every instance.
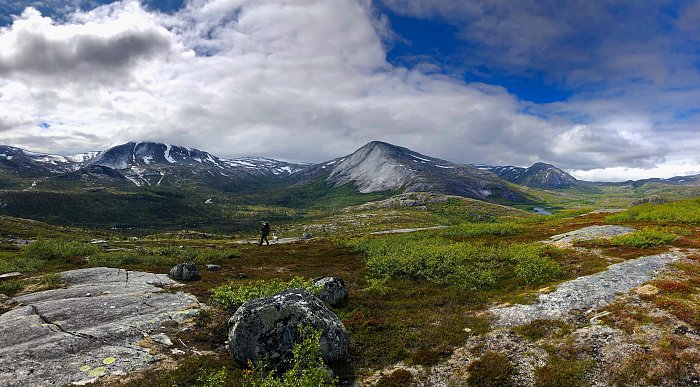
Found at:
(608, 90)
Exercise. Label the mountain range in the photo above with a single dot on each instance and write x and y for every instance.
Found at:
(375, 167)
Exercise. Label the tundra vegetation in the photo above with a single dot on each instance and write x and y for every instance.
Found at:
(413, 297)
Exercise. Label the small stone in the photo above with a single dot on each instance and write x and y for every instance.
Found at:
(162, 339)
(241, 276)
(468, 330)
(306, 236)
(88, 295)
(647, 290)
(213, 267)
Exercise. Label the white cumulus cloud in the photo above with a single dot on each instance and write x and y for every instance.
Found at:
(300, 80)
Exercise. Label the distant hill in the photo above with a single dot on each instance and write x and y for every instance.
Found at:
(539, 175)
(692, 180)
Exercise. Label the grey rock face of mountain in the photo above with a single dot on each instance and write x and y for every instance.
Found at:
(91, 328)
(31, 164)
(145, 154)
(379, 166)
(539, 175)
(149, 163)
(143, 164)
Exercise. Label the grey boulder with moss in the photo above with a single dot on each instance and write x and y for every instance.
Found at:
(268, 327)
(185, 272)
(332, 290)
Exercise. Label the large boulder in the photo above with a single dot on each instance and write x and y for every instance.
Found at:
(332, 290)
(269, 327)
(185, 272)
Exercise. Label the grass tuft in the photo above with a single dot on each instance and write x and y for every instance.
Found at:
(492, 369)
(48, 250)
(234, 295)
(645, 238)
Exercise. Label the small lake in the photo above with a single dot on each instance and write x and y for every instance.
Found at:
(541, 211)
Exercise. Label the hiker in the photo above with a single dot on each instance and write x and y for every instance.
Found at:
(264, 232)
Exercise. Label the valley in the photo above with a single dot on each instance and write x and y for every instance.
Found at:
(422, 307)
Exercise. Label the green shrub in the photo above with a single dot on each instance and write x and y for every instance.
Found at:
(305, 369)
(539, 329)
(234, 295)
(170, 250)
(52, 281)
(684, 211)
(11, 287)
(204, 256)
(50, 249)
(532, 266)
(215, 379)
(491, 370)
(563, 372)
(114, 259)
(645, 238)
(377, 286)
(467, 230)
(464, 265)
(10, 262)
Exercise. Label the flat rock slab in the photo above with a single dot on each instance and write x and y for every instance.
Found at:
(589, 233)
(586, 293)
(14, 274)
(92, 327)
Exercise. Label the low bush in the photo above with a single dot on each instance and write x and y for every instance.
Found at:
(52, 249)
(491, 370)
(305, 369)
(234, 295)
(114, 259)
(10, 262)
(468, 230)
(564, 372)
(11, 287)
(466, 266)
(645, 238)
(684, 211)
(52, 281)
(204, 256)
(213, 379)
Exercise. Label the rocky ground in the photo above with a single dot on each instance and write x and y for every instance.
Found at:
(603, 326)
(586, 294)
(588, 233)
(94, 326)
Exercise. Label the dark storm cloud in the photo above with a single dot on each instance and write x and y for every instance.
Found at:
(35, 51)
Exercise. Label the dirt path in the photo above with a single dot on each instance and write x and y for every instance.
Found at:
(292, 240)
